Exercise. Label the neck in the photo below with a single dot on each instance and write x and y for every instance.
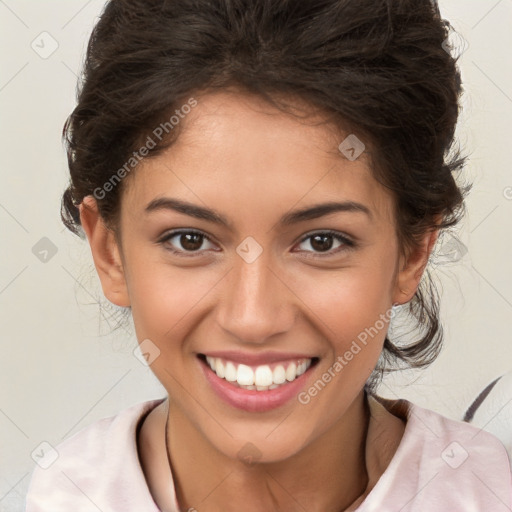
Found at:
(329, 473)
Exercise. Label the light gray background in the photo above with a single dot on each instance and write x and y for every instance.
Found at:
(62, 367)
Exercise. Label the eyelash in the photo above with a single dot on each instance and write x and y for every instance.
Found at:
(347, 242)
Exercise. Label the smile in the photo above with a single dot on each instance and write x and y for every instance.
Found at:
(260, 378)
(256, 387)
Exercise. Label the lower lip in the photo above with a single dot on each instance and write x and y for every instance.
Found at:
(251, 400)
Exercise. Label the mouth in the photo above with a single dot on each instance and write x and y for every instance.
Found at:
(261, 377)
(256, 387)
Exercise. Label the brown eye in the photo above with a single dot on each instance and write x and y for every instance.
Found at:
(191, 241)
(324, 242)
(321, 243)
(182, 242)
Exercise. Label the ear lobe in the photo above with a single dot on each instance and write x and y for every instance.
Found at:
(105, 253)
(410, 274)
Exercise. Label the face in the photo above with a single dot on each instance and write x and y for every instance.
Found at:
(254, 246)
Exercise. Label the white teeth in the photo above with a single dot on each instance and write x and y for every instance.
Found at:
(279, 375)
(245, 387)
(245, 375)
(261, 377)
(291, 372)
(218, 368)
(230, 372)
(301, 368)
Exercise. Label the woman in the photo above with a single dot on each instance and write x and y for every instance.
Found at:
(262, 183)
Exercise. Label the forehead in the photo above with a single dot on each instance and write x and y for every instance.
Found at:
(238, 150)
(221, 118)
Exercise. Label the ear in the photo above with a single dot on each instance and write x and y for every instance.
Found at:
(413, 266)
(105, 253)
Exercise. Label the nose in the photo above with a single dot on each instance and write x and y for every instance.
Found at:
(256, 303)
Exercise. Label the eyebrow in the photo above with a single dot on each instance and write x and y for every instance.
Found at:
(293, 217)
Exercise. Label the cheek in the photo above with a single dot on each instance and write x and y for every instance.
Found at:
(351, 301)
(162, 297)
(353, 308)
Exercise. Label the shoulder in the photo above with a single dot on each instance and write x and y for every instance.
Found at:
(96, 468)
(442, 464)
(492, 409)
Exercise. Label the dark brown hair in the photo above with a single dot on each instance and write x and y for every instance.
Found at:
(380, 67)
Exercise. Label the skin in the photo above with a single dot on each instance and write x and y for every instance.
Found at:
(252, 164)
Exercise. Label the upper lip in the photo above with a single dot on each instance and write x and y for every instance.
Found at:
(251, 359)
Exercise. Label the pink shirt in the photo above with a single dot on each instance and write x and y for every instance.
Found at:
(441, 465)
